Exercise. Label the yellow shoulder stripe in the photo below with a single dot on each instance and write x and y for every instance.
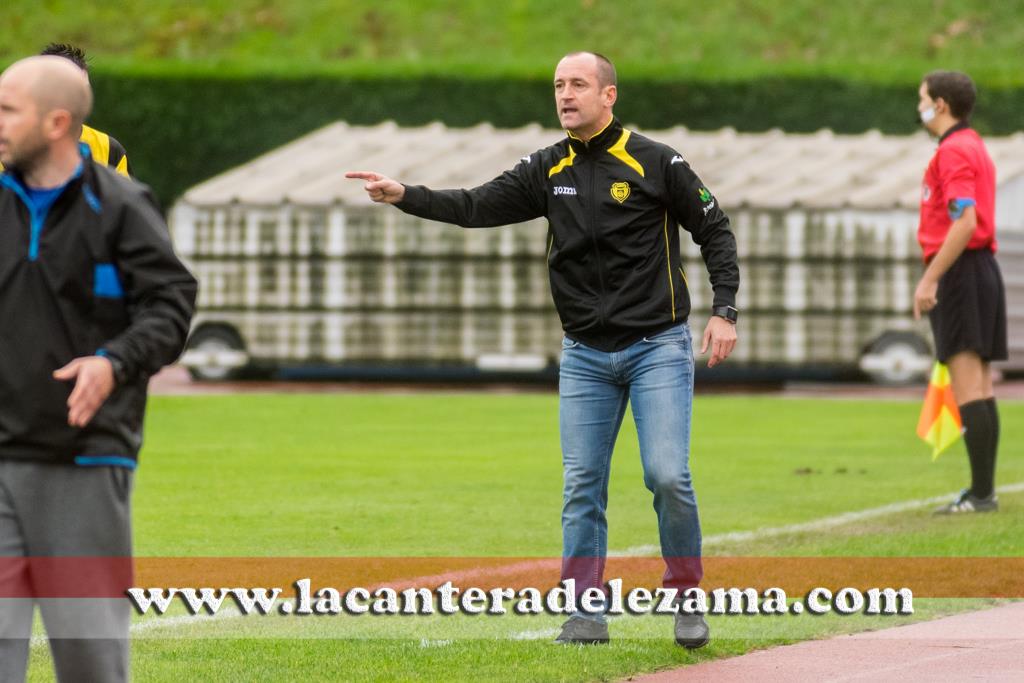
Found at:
(99, 144)
(618, 150)
(122, 166)
(567, 161)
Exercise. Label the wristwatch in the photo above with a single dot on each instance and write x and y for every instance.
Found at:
(120, 373)
(728, 312)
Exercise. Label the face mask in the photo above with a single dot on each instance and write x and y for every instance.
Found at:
(928, 115)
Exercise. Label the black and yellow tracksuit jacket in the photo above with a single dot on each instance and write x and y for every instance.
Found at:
(94, 273)
(613, 204)
(105, 149)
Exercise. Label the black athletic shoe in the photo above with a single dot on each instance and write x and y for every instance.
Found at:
(965, 502)
(691, 630)
(583, 632)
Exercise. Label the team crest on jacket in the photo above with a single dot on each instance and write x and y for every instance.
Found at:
(620, 191)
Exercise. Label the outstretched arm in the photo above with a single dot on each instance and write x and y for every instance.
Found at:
(512, 197)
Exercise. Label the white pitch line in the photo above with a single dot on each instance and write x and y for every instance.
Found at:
(814, 524)
(542, 634)
(636, 551)
(425, 643)
(549, 633)
(226, 612)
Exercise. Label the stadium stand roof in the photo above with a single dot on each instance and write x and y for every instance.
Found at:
(765, 170)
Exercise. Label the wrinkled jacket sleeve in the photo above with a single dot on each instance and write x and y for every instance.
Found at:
(160, 292)
(513, 197)
(697, 210)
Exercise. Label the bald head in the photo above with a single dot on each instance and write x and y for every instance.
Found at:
(52, 84)
(603, 67)
(43, 102)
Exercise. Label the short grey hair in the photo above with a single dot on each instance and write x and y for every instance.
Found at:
(605, 69)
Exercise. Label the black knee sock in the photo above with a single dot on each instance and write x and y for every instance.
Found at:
(994, 412)
(979, 436)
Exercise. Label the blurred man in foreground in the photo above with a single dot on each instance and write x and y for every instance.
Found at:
(93, 301)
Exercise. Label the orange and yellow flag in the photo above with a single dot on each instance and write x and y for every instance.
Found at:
(940, 424)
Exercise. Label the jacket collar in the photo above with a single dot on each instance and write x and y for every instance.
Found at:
(604, 139)
(961, 125)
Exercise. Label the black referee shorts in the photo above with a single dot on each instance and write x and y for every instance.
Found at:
(971, 311)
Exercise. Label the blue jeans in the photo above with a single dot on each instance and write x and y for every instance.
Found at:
(655, 376)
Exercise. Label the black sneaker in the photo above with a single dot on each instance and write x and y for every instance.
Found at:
(966, 502)
(583, 631)
(692, 631)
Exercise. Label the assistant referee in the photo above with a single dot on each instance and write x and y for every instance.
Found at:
(962, 289)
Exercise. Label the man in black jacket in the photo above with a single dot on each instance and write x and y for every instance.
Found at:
(613, 200)
(93, 301)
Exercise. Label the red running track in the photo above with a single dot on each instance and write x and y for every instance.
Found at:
(987, 645)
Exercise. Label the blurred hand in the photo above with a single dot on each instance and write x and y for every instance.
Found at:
(720, 335)
(925, 296)
(94, 380)
(380, 188)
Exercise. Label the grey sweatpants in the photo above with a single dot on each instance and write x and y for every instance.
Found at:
(65, 511)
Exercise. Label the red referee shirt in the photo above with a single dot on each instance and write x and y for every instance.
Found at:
(960, 174)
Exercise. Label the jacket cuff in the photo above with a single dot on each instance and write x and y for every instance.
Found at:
(124, 372)
(724, 296)
(416, 199)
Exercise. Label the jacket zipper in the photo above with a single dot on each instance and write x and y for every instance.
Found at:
(37, 231)
(593, 236)
(36, 220)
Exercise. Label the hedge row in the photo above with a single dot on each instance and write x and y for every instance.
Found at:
(181, 130)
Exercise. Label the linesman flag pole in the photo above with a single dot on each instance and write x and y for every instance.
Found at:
(939, 424)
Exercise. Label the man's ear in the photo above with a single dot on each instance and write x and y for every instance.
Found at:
(940, 105)
(611, 95)
(57, 124)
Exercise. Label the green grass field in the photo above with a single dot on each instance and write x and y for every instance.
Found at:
(873, 40)
(364, 475)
